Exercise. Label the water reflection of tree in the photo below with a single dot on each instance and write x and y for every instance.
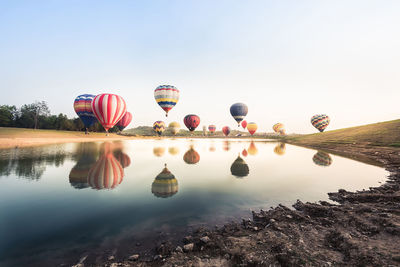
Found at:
(31, 163)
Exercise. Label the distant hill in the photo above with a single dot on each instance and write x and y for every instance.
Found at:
(377, 134)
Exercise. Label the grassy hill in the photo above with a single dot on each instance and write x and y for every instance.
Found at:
(377, 134)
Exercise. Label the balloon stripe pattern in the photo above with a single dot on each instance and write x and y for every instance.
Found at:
(107, 173)
(159, 127)
(166, 96)
(83, 108)
(322, 159)
(109, 109)
(239, 111)
(252, 127)
(125, 120)
(212, 128)
(191, 121)
(279, 128)
(320, 121)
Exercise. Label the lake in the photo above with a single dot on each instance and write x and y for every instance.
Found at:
(59, 203)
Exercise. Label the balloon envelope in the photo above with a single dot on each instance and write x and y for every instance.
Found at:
(244, 124)
(191, 121)
(226, 130)
(159, 127)
(252, 127)
(320, 121)
(165, 185)
(83, 108)
(166, 96)
(239, 111)
(252, 149)
(109, 109)
(280, 149)
(322, 159)
(191, 156)
(158, 151)
(124, 121)
(239, 168)
(279, 128)
(106, 173)
(175, 127)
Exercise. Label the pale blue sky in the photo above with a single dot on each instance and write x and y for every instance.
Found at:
(286, 59)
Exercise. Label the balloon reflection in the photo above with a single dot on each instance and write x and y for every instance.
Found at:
(280, 149)
(212, 147)
(239, 168)
(226, 145)
(244, 153)
(165, 184)
(158, 151)
(191, 156)
(106, 173)
(322, 159)
(85, 154)
(252, 149)
(173, 150)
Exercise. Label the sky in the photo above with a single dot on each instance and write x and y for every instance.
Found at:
(287, 60)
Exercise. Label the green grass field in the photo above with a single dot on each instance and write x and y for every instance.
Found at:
(377, 134)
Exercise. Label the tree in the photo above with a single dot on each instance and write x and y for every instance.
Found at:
(8, 115)
(30, 114)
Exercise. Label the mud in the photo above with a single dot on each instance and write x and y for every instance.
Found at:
(361, 229)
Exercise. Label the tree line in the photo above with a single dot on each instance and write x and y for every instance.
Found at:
(37, 116)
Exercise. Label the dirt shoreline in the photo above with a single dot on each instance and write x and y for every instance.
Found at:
(363, 229)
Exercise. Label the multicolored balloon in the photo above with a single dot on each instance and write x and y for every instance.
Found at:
(226, 145)
(175, 127)
(166, 96)
(125, 120)
(239, 168)
(320, 121)
(212, 128)
(191, 121)
(252, 127)
(109, 109)
(279, 128)
(226, 130)
(252, 149)
(191, 156)
(280, 149)
(165, 185)
(106, 173)
(322, 159)
(159, 127)
(83, 108)
(244, 124)
(238, 112)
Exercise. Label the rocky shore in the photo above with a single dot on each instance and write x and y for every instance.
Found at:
(361, 229)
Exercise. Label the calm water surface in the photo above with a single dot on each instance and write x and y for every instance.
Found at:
(68, 200)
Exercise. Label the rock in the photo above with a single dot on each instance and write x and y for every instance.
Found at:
(396, 258)
(187, 239)
(134, 257)
(179, 249)
(205, 239)
(289, 216)
(255, 228)
(157, 257)
(272, 220)
(188, 247)
(111, 258)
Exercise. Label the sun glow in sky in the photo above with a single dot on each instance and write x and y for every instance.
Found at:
(287, 60)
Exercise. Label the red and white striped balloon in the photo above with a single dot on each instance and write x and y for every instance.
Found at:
(106, 173)
(109, 109)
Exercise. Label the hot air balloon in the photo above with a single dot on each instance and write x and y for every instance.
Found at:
(244, 153)
(109, 109)
(159, 127)
(320, 121)
(86, 158)
(226, 130)
(280, 149)
(173, 150)
(175, 127)
(252, 149)
(212, 128)
(124, 121)
(191, 121)
(239, 168)
(83, 107)
(106, 173)
(322, 159)
(244, 124)
(238, 112)
(158, 151)
(279, 128)
(165, 185)
(191, 156)
(166, 96)
(252, 127)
